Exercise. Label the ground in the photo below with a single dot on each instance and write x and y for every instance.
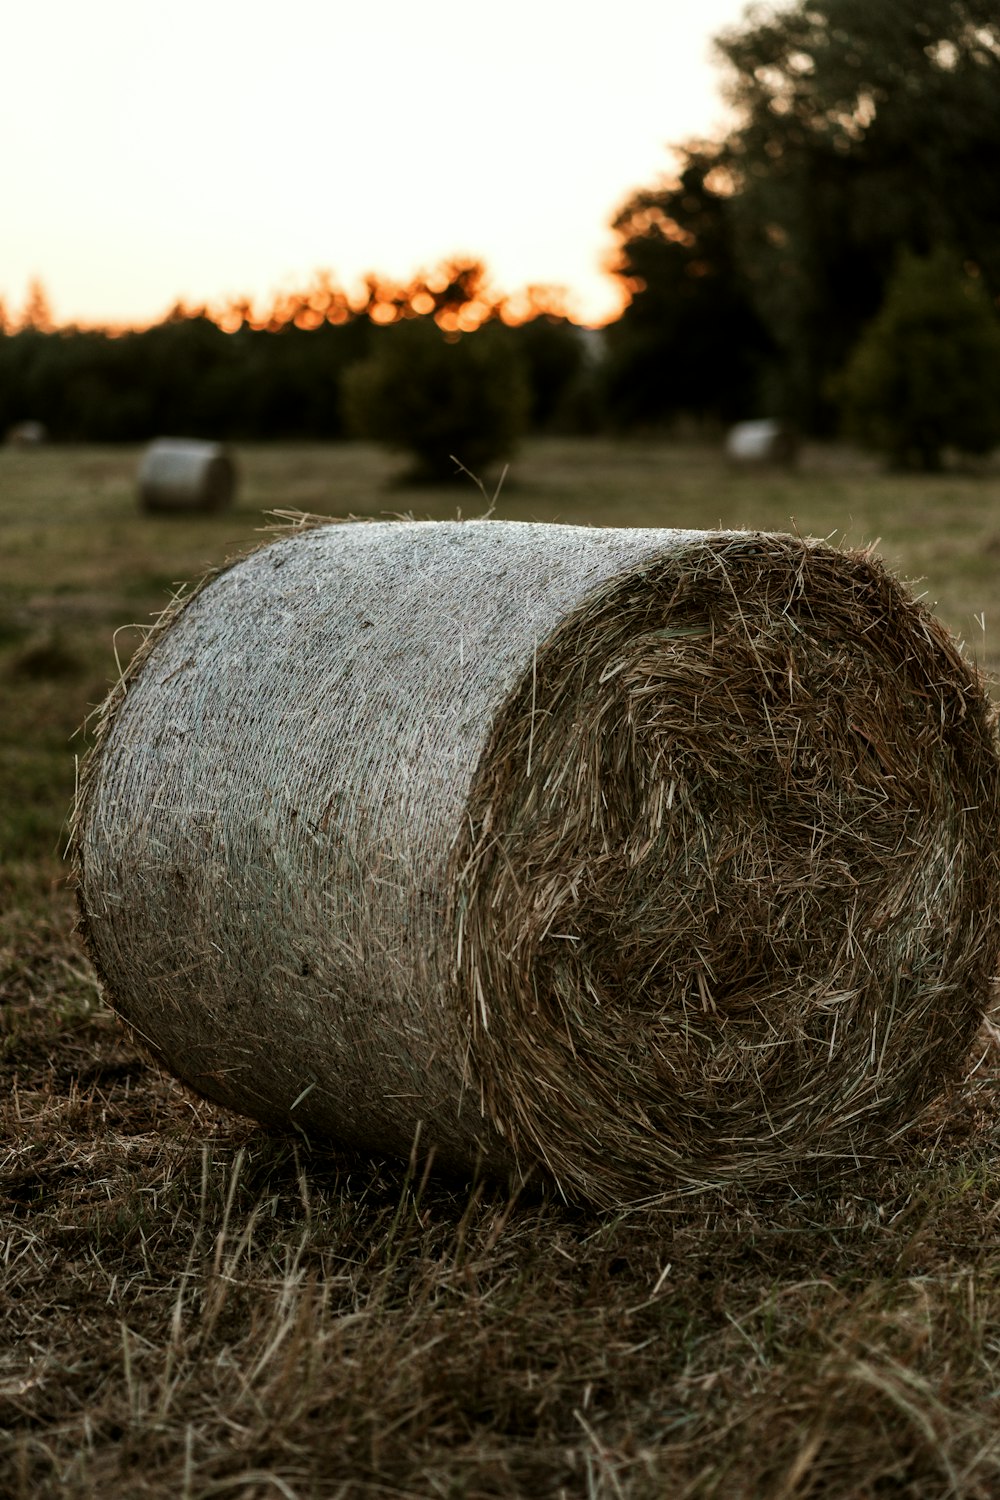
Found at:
(193, 1307)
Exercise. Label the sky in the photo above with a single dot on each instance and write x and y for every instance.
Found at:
(207, 149)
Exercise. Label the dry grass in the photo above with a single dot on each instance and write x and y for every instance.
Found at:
(192, 1307)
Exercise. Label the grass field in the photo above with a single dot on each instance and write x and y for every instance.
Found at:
(193, 1307)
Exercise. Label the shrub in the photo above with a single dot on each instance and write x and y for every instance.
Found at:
(561, 367)
(925, 374)
(435, 396)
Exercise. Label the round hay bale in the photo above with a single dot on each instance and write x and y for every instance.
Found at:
(760, 443)
(648, 859)
(27, 435)
(182, 474)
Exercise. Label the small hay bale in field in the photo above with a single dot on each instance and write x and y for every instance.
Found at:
(646, 858)
(27, 435)
(182, 474)
(760, 443)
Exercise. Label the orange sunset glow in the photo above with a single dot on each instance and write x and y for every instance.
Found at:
(224, 154)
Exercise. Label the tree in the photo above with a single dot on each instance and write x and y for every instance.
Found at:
(861, 128)
(554, 354)
(439, 396)
(277, 372)
(689, 339)
(926, 373)
(36, 315)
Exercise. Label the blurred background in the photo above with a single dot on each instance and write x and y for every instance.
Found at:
(447, 232)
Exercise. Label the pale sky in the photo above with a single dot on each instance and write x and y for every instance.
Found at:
(202, 149)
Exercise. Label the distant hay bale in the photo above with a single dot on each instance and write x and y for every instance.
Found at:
(27, 435)
(645, 859)
(182, 474)
(760, 443)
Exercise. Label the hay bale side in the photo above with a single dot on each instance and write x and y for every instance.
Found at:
(182, 474)
(651, 858)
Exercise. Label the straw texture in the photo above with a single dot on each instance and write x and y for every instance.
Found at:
(645, 859)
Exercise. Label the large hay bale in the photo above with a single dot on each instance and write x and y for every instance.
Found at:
(184, 474)
(651, 858)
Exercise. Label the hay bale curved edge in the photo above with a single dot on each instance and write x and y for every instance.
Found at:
(649, 859)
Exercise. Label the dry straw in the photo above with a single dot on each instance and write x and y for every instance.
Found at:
(646, 859)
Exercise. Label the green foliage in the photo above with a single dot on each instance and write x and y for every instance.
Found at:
(689, 340)
(184, 375)
(926, 373)
(560, 378)
(862, 129)
(280, 378)
(440, 397)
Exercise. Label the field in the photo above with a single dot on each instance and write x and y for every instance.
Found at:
(193, 1307)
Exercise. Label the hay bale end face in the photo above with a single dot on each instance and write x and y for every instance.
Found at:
(643, 859)
(182, 474)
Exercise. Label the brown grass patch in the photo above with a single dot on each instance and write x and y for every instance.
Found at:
(365, 1334)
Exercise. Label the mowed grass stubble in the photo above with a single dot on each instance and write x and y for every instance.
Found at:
(192, 1306)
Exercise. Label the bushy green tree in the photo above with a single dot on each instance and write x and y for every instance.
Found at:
(925, 375)
(688, 340)
(556, 359)
(861, 128)
(439, 397)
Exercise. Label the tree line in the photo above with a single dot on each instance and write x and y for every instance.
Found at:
(833, 261)
(283, 375)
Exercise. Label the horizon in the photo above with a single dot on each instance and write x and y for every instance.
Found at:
(214, 161)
